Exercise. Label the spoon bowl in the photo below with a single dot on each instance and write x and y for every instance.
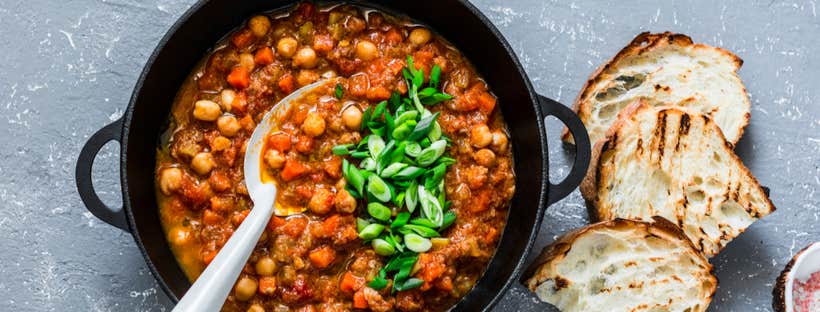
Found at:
(210, 289)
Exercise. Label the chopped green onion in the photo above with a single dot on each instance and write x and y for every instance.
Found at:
(413, 149)
(417, 243)
(418, 229)
(423, 222)
(343, 149)
(430, 207)
(431, 153)
(339, 91)
(401, 220)
(411, 172)
(435, 75)
(378, 283)
(435, 132)
(423, 127)
(360, 154)
(382, 247)
(353, 176)
(361, 224)
(392, 169)
(401, 132)
(378, 188)
(410, 283)
(378, 211)
(449, 218)
(411, 199)
(436, 98)
(366, 117)
(375, 144)
(368, 164)
(371, 231)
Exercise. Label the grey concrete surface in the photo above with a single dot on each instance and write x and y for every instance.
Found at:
(68, 68)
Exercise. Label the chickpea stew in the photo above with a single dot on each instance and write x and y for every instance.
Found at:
(332, 256)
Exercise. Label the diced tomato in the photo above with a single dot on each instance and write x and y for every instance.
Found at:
(322, 257)
(209, 217)
(304, 144)
(333, 167)
(222, 204)
(359, 302)
(263, 56)
(322, 43)
(267, 285)
(247, 123)
(378, 94)
(287, 83)
(242, 38)
(480, 202)
(219, 181)
(393, 36)
(209, 256)
(445, 284)
(275, 222)
(351, 283)
(240, 216)
(432, 266)
(295, 226)
(293, 169)
(358, 85)
(490, 236)
(240, 103)
(330, 225)
(279, 141)
(486, 102)
(304, 190)
(239, 77)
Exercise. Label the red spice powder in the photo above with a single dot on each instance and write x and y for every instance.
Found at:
(807, 294)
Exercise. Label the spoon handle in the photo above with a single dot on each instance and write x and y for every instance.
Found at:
(211, 288)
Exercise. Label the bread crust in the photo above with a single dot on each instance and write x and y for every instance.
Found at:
(591, 184)
(643, 43)
(657, 227)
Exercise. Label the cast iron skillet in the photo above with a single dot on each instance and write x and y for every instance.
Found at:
(191, 37)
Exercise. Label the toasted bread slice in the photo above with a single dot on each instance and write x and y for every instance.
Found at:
(624, 265)
(665, 161)
(666, 69)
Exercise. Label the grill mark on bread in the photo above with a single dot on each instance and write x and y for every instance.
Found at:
(660, 132)
(683, 129)
(561, 283)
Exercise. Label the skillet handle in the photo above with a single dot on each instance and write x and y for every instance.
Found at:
(582, 148)
(82, 176)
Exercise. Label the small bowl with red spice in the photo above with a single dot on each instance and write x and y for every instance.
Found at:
(798, 287)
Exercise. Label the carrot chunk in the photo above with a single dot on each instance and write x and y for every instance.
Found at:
(267, 285)
(263, 56)
(275, 222)
(279, 141)
(359, 302)
(239, 77)
(295, 226)
(287, 83)
(322, 257)
(350, 283)
(293, 169)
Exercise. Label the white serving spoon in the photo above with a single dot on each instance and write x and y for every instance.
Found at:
(210, 289)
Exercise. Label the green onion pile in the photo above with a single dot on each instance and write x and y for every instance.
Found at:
(401, 168)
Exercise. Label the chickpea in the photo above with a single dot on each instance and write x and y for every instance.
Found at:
(203, 163)
(321, 201)
(227, 97)
(259, 25)
(484, 157)
(220, 143)
(306, 77)
(245, 288)
(179, 236)
(344, 202)
(228, 125)
(305, 58)
(499, 141)
(170, 180)
(286, 47)
(206, 110)
(246, 61)
(419, 36)
(314, 124)
(480, 136)
(256, 308)
(265, 266)
(352, 117)
(366, 50)
(275, 159)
